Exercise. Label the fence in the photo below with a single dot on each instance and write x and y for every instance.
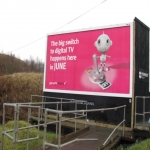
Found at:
(142, 112)
(43, 111)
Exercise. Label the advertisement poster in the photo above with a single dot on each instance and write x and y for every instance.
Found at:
(94, 62)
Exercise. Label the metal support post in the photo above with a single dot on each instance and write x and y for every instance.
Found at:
(75, 123)
(86, 115)
(42, 110)
(61, 105)
(3, 127)
(45, 129)
(15, 126)
(124, 120)
(29, 114)
(135, 112)
(57, 122)
(59, 135)
(143, 112)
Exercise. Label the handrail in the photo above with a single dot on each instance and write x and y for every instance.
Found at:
(16, 129)
(113, 132)
(58, 121)
(143, 113)
(60, 113)
(29, 106)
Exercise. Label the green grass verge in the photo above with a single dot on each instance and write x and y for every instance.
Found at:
(143, 145)
(22, 134)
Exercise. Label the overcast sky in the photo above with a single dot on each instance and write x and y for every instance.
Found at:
(24, 24)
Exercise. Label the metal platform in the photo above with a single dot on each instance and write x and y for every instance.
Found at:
(90, 138)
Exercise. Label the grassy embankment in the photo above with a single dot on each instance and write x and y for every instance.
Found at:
(143, 145)
(22, 134)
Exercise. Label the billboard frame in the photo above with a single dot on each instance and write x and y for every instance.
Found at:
(129, 95)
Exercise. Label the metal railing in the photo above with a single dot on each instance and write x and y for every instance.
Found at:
(15, 131)
(143, 112)
(40, 106)
(61, 113)
(43, 111)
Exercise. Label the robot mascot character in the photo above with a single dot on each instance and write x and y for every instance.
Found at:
(96, 74)
(103, 44)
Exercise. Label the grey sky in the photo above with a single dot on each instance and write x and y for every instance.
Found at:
(23, 22)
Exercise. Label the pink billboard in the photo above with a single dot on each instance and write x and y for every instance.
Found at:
(95, 62)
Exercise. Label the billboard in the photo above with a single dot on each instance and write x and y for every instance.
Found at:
(94, 61)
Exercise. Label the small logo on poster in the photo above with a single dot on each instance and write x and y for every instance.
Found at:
(105, 85)
(58, 83)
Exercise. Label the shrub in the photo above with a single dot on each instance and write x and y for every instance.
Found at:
(18, 88)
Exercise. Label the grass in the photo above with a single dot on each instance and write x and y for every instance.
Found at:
(23, 135)
(143, 145)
